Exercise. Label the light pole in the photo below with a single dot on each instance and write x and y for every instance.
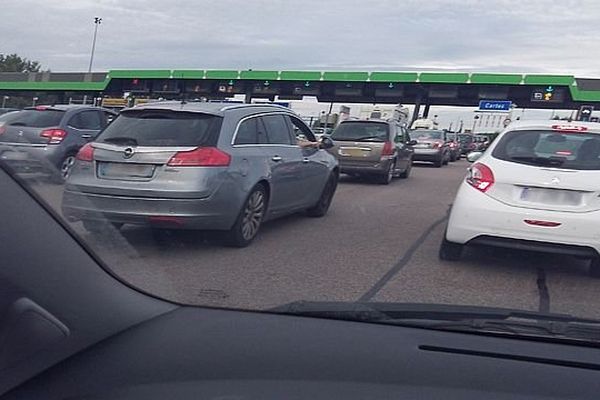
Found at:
(4, 98)
(35, 99)
(97, 21)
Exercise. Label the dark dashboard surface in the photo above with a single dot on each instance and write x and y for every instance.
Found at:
(194, 353)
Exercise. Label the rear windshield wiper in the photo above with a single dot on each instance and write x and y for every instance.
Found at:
(452, 317)
(121, 140)
(17, 124)
(542, 161)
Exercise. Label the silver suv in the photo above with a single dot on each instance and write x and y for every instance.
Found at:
(207, 166)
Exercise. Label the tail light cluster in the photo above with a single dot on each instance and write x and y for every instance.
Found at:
(54, 135)
(388, 149)
(436, 145)
(86, 153)
(200, 157)
(2, 129)
(480, 177)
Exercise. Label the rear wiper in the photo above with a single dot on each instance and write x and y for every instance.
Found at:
(451, 317)
(17, 124)
(542, 161)
(368, 138)
(121, 140)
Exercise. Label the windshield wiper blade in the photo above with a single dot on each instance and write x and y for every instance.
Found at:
(17, 124)
(121, 140)
(542, 161)
(381, 311)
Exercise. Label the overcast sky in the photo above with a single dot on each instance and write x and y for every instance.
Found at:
(470, 35)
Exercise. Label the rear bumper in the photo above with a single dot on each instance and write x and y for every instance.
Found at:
(379, 167)
(204, 213)
(476, 218)
(31, 158)
(427, 155)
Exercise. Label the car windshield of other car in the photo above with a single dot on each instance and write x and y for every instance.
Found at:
(35, 118)
(576, 151)
(361, 132)
(161, 128)
(426, 134)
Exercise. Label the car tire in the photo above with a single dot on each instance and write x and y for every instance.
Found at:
(446, 159)
(387, 177)
(322, 206)
(595, 267)
(450, 251)
(249, 220)
(406, 173)
(453, 158)
(438, 163)
(63, 168)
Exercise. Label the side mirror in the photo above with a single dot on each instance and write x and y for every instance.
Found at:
(474, 156)
(412, 142)
(326, 142)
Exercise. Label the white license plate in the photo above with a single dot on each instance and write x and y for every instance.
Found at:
(551, 196)
(353, 152)
(125, 170)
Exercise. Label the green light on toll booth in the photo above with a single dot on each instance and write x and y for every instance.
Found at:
(307, 84)
(231, 82)
(391, 85)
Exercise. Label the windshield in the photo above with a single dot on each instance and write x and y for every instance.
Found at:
(161, 128)
(250, 155)
(424, 134)
(34, 118)
(361, 131)
(576, 151)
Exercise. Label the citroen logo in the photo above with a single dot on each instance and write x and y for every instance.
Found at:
(555, 180)
(128, 152)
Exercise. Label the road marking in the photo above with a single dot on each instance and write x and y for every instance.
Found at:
(402, 262)
(544, 306)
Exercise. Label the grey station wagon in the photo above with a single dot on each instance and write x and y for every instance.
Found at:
(46, 138)
(211, 166)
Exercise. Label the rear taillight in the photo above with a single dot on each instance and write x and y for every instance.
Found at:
(2, 129)
(388, 149)
(86, 153)
(54, 135)
(436, 145)
(472, 146)
(480, 177)
(200, 157)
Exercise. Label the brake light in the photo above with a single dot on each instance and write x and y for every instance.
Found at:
(200, 157)
(388, 149)
(86, 153)
(569, 128)
(436, 145)
(480, 177)
(41, 108)
(546, 224)
(54, 135)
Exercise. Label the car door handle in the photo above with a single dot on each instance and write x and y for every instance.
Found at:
(305, 160)
(276, 158)
(86, 136)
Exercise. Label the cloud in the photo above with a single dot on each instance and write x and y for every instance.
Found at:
(503, 36)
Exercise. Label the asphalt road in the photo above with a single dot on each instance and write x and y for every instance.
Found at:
(377, 243)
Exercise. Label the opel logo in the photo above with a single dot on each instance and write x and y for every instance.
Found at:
(20, 133)
(128, 152)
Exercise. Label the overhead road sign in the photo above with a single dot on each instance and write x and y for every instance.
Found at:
(494, 105)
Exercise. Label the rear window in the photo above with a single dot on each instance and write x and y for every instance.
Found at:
(426, 134)
(35, 118)
(361, 132)
(547, 148)
(465, 138)
(162, 128)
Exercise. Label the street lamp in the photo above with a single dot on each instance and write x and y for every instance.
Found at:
(35, 99)
(4, 98)
(97, 21)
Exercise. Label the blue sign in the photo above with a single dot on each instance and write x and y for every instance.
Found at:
(494, 105)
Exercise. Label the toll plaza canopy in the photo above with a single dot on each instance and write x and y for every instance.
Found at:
(429, 88)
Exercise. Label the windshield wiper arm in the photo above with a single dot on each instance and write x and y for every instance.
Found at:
(552, 161)
(381, 311)
(121, 140)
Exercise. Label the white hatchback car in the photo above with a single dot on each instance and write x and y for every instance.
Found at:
(536, 188)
